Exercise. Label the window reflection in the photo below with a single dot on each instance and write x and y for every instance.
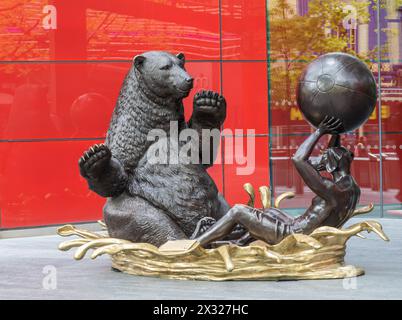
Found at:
(300, 31)
(107, 30)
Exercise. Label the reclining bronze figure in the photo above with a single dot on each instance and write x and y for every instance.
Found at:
(334, 204)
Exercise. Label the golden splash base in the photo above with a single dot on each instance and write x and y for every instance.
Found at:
(319, 255)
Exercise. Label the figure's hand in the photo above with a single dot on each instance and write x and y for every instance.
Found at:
(209, 108)
(94, 161)
(330, 125)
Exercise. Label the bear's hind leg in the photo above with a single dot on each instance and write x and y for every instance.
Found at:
(134, 218)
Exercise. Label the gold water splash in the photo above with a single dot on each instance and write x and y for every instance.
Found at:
(283, 196)
(251, 194)
(319, 255)
(265, 196)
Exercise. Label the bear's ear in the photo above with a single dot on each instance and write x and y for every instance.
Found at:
(138, 61)
(181, 56)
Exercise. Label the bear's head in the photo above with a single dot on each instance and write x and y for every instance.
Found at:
(164, 74)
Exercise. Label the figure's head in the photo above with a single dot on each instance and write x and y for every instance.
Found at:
(164, 74)
(334, 159)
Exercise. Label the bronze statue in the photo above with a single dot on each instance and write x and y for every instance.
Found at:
(150, 204)
(158, 202)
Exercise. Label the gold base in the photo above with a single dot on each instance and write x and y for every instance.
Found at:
(319, 255)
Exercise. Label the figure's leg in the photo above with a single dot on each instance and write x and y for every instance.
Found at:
(275, 224)
(274, 213)
(224, 207)
(239, 214)
(137, 220)
(261, 225)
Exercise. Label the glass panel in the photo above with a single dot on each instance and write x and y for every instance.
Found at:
(245, 88)
(244, 30)
(63, 100)
(391, 100)
(107, 30)
(72, 100)
(299, 32)
(392, 174)
(246, 160)
(40, 184)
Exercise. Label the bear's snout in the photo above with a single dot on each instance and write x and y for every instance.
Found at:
(189, 83)
(186, 84)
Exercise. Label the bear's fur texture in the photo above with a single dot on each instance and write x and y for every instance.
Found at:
(148, 202)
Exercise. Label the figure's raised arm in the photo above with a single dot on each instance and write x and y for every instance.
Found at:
(307, 171)
(335, 141)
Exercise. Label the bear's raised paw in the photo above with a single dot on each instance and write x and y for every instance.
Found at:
(94, 161)
(209, 105)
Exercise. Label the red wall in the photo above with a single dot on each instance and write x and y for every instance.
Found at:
(58, 88)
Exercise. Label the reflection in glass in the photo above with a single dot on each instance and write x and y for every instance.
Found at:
(300, 31)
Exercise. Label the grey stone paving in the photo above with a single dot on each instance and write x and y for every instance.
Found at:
(22, 263)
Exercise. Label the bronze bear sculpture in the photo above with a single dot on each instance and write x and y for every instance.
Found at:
(147, 202)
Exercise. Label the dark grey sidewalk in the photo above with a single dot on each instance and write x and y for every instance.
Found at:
(25, 261)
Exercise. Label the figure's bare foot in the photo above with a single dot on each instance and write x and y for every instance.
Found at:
(202, 226)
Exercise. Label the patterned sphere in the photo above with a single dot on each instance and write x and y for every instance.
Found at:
(338, 85)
